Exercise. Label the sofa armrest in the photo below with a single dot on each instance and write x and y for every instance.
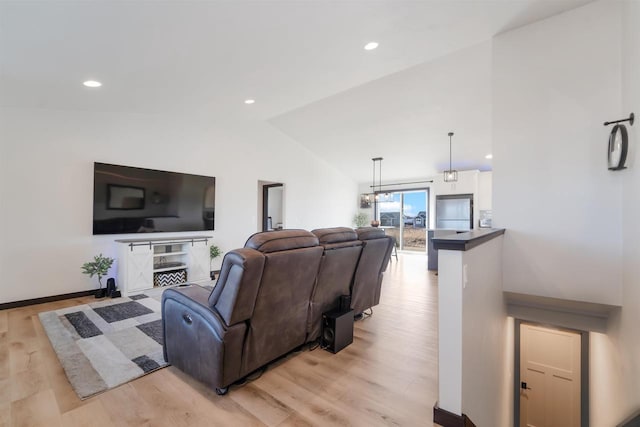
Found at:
(195, 299)
(196, 339)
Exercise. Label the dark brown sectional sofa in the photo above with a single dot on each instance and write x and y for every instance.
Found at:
(269, 299)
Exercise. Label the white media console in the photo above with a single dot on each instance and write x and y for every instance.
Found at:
(145, 262)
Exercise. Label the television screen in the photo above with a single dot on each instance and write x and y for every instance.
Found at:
(136, 200)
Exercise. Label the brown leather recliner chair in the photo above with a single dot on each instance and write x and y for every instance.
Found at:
(376, 251)
(257, 312)
(341, 254)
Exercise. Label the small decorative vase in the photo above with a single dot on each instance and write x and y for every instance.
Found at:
(375, 223)
(212, 274)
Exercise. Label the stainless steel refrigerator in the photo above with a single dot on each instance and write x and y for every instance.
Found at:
(454, 212)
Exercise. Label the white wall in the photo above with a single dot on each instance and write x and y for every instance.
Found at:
(554, 83)
(592, 253)
(475, 351)
(615, 371)
(487, 341)
(485, 191)
(450, 331)
(46, 185)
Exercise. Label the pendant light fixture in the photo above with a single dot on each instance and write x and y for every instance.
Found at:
(376, 193)
(450, 175)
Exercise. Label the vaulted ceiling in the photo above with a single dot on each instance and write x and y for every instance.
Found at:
(302, 61)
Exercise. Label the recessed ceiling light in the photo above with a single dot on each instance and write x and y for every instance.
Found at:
(489, 156)
(370, 45)
(249, 101)
(92, 83)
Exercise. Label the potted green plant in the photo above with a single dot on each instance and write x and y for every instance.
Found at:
(214, 252)
(98, 267)
(360, 219)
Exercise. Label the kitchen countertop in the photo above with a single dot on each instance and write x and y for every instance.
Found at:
(467, 240)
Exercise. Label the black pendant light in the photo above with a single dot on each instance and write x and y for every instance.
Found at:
(376, 193)
(450, 175)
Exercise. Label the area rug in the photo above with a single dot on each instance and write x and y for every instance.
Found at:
(107, 343)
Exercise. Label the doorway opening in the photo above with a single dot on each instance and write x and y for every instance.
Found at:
(551, 386)
(272, 206)
(404, 214)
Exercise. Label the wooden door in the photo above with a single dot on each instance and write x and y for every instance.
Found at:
(550, 377)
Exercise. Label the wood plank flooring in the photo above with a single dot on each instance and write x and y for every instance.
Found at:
(387, 377)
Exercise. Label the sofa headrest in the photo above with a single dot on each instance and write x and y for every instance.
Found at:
(369, 233)
(274, 241)
(335, 235)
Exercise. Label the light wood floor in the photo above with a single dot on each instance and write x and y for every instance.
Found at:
(388, 376)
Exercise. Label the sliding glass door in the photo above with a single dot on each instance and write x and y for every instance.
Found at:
(404, 215)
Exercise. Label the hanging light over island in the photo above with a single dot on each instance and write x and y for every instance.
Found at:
(376, 193)
(450, 175)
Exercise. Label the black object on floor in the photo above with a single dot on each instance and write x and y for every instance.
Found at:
(337, 330)
(345, 303)
(111, 287)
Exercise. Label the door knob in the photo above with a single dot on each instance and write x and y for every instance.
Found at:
(523, 385)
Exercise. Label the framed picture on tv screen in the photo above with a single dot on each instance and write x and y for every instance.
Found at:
(124, 197)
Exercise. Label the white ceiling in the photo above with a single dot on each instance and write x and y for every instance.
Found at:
(302, 61)
(405, 118)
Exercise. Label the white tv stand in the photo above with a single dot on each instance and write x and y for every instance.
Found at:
(140, 259)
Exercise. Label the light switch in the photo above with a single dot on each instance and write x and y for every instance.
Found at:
(465, 278)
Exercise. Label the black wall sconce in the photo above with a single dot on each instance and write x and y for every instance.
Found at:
(618, 144)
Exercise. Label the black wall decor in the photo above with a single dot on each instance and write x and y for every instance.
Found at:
(365, 200)
(618, 143)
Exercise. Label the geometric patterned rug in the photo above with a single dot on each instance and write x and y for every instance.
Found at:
(107, 343)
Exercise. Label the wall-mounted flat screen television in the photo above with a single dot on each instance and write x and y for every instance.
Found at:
(136, 200)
